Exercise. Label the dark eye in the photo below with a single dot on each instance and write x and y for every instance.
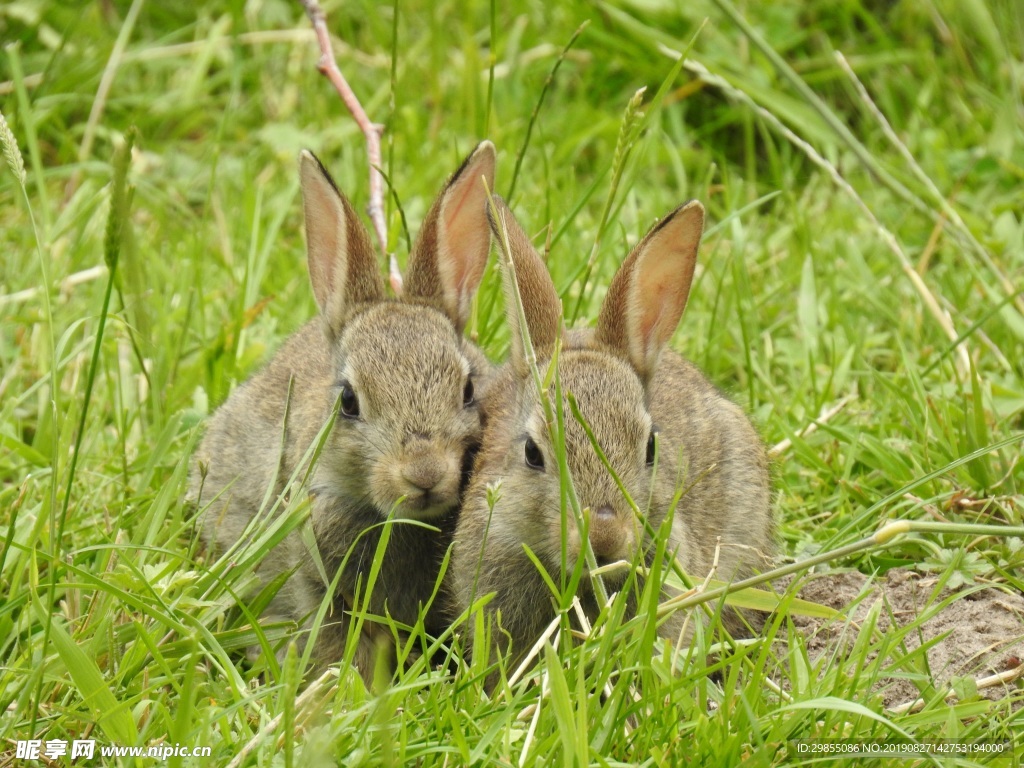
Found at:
(650, 449)
(534, 458)
(467, 394)
(349, 401)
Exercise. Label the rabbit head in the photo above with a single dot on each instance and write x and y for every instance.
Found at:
(607, 371)
(405, 380)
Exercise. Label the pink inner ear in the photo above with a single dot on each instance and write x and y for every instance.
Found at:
(659, 297)
(464, 239)
(466, 232)
(661, 283)
(324, 234)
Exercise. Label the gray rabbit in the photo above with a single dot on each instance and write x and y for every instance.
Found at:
(638, 397)
(407, 388)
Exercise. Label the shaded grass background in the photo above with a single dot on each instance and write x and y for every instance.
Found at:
(798, 303)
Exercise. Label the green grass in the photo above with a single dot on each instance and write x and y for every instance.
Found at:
(114, 626)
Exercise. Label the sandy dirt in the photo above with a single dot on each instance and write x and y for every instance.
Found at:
(982, 633)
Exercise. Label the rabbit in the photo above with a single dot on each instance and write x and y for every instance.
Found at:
(407, 387)
(641, 401)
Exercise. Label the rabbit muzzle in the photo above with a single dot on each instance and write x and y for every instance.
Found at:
(429, 476)
(424, 473)
(611, 535)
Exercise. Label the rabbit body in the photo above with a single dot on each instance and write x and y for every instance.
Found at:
(403, 388)
(710, 447)
(628, 390)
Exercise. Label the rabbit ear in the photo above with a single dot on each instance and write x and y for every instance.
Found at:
(342, 265)
(541, 305)
(649, 292)
(448, 260)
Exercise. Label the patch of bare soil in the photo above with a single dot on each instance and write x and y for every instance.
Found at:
(981, 633)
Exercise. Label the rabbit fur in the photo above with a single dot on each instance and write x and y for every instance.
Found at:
(629, 387)
(407, 388)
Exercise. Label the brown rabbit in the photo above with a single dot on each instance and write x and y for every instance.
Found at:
(629, 389)
(406, 385)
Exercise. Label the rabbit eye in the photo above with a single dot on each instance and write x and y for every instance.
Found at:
(650, 449)
(467, 394)
(534, 458)
(349, 401)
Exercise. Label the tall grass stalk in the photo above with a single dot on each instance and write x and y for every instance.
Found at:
(117, 220)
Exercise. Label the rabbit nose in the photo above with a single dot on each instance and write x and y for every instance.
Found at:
(424, 472)
(609, 536)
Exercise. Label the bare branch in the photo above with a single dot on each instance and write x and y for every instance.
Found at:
(1001, 678)
(66, 285)
(328, 67)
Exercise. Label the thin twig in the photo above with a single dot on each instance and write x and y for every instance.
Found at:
(1002, 678)
(587, 630)
(679, 647)
(532, 730)
(931, 246)
(254, 39)
(534, 651)
(931, 509)
(328, 67)
(7, 87)
(881, 538)
(779, 448)
(613, 567)
(777, 690)
(66, 285)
